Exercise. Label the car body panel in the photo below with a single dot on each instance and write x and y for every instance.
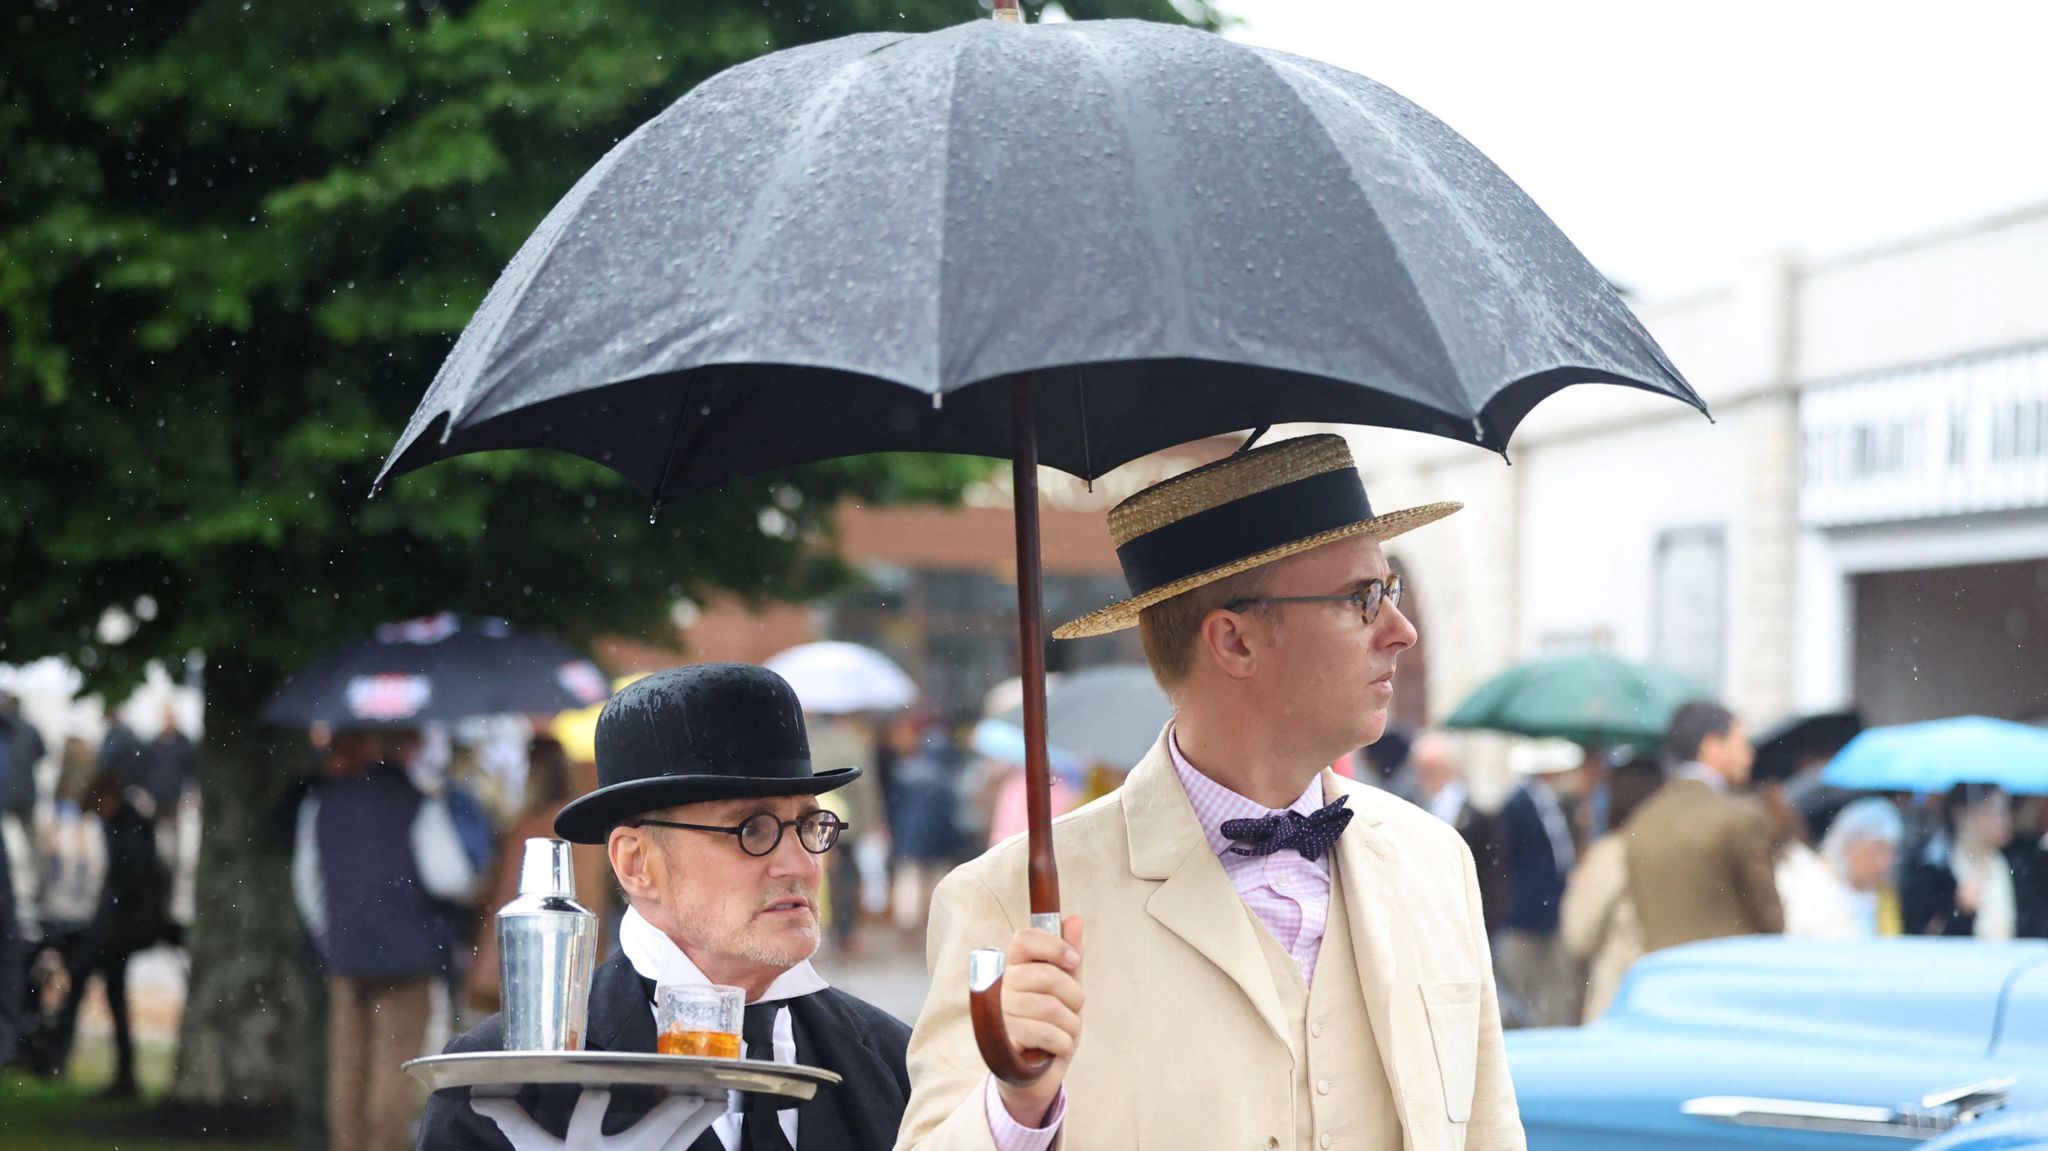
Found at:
(2009, 1131)
(1879, 1023)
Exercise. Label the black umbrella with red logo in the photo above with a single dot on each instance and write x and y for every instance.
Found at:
(439, 668)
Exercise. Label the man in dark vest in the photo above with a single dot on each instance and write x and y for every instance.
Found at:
(372, 861)
(708, 809)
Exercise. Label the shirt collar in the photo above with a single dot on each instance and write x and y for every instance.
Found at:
(655, 956)
(1215, 803)
(1448, 801)
(1701, 773)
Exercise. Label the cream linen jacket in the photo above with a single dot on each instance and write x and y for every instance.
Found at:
(1183, 1045)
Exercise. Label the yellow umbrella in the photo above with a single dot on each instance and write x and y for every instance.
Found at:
(577, 730)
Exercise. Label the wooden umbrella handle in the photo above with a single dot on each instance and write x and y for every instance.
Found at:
(985, 966)
(985, 1008)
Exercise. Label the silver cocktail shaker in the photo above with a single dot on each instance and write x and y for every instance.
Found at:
(547, 943)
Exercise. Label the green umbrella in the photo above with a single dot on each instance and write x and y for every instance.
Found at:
(1590, 699)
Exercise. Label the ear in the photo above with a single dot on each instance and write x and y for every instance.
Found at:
(634, 863)
(1225, 641)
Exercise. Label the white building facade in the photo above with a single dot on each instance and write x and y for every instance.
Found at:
(1865, 521)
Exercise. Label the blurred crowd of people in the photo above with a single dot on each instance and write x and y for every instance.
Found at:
(90, 871)
(404, 842)
(1596, 859)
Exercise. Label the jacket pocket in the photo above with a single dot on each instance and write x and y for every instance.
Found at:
(1453, 1008)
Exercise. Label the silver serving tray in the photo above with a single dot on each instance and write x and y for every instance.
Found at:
(503, 1072)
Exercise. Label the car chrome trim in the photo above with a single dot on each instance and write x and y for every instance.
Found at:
(1936, 1113)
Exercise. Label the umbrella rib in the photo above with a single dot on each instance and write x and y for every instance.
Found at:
(937, 367)
(556, 224)
(1152, 188)
(1286, 67)
(675, 438)
(819, 113)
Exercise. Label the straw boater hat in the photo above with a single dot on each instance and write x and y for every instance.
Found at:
(1236, 514)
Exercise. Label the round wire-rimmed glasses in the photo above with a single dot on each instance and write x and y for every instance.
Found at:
(761, 833)
(1367, 596)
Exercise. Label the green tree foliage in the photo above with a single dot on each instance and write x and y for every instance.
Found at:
(236, 239)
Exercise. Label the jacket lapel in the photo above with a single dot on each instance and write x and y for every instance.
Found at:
(621, 1008)
(1195, 900)
(1370, 882)
(863, 1111)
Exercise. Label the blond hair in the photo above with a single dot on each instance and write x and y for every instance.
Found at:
(1170, 628)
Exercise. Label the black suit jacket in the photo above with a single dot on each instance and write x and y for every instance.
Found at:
(835, 1031)
(1927, 896)
(1535, 882)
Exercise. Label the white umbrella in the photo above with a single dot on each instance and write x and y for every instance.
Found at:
(836, 678)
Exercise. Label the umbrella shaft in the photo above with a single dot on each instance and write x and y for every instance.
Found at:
(1043, 872)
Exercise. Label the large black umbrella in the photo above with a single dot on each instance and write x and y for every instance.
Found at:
(440, 668)
(829, 250)
(1802, 741)
(1074, 243)
(1785, 751)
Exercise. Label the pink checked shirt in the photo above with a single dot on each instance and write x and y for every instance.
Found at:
(1289, 894)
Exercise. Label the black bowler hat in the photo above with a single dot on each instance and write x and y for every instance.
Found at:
(693, 734)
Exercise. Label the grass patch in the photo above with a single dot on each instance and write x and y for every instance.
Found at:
(66, 1114)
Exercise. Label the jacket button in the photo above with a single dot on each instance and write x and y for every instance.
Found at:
(1315, 1030)
(1322, 1087)
(1272, 1142)
(1325, 1142)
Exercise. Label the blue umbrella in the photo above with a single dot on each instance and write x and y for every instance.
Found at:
(1002, 740)
(1107, 714)
(1938, 754)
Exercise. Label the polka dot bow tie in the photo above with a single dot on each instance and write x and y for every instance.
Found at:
(1311, 835)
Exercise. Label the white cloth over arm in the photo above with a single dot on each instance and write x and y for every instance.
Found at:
(307, 890)
(444, 868)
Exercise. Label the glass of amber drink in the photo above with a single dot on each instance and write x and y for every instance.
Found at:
(698, 1019)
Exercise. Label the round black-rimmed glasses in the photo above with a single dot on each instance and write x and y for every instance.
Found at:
(1367, 598)
(761, 834)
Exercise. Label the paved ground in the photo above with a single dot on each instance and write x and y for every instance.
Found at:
(887, 970)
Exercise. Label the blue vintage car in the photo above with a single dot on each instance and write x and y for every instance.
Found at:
(1775, 1043)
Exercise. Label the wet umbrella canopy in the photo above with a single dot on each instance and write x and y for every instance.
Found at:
(441, 668)
(1176, 235)
(1792, 745)
(1110, 714)
(1592, 699)
(1072, 244)
(837, 678)
(1938, 754)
